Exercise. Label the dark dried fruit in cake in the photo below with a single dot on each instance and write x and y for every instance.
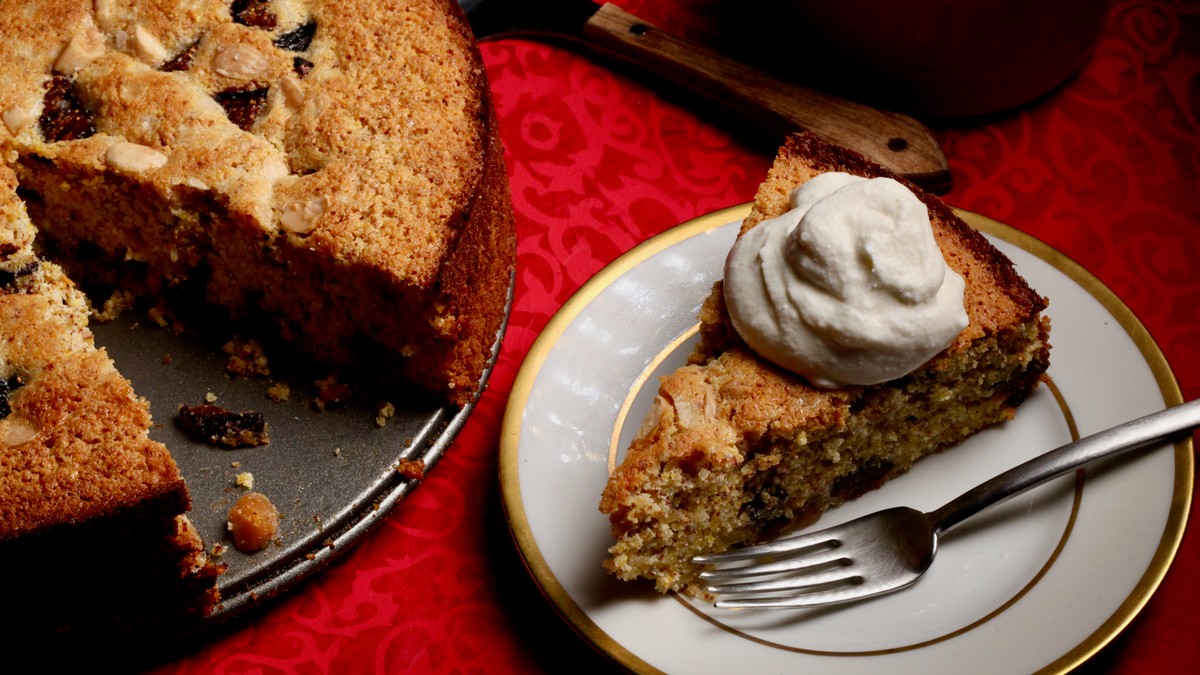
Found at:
(243, 105)
(297, 39)
(64, 118)
(182, 60)
(217, 426)
(255, 13)
(302, 66)
(8, 386)
(10, 277)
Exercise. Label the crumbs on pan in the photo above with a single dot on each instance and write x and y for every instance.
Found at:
(253, 522)
(279, 392)
(413, 469)
(385, 413)
(331, 392)
(246, 357)
(112, 307)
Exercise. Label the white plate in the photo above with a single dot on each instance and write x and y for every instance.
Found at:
(1039, 583)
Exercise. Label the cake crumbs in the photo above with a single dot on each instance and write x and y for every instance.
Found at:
(166, 359)
(413, 469)
(210, 397)
(158, 316)
(331, 392)
(113, 306)
(245, 479)
(385, 413)
(279, 392)
(253, 522)
(246, 357)
(218, 550)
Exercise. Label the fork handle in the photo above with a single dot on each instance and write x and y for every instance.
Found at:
(1131, 435)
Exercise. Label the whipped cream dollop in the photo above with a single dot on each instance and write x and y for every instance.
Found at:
(848, 287)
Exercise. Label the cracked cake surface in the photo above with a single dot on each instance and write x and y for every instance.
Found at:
(330, 166)
(736, 450)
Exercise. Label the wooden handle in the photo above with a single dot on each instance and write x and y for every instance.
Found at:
(895, 141)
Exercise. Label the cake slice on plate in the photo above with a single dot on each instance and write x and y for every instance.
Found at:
(93, 533)
(738, 448)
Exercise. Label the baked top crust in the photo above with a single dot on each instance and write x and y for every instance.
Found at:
(330, 167)
(74, 441)
(367, 145)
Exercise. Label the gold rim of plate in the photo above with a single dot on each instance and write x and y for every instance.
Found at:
(522, 388)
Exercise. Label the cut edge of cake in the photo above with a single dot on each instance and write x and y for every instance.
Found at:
(735, 450)
(93, 513)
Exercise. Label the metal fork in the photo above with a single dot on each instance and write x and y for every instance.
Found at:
(889, 550)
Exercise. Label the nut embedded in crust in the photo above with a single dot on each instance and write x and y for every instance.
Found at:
(240, 62)
(17, 118)
(293, 92)
(85, 46)
(147, 47)
(17, 432)
(301, 216)
(134, 158)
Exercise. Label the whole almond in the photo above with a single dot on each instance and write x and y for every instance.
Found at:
(85, 46)
(133, 158)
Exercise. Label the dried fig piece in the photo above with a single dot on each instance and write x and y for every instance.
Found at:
(64, 117)
(8, 386)
(182, 60)
(243, 106)
(9, 278)
(302, 66)
(256, 13)
(298, 39)
(215, 425)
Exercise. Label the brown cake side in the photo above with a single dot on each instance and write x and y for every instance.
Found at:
(93, 534)
(736, 450)
(335, 170)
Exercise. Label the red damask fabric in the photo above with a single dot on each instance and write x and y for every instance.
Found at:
(1106, 169)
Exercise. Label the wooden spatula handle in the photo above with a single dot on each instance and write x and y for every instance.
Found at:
(895, 141)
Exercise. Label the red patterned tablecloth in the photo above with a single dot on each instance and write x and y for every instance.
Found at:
(1106, 169)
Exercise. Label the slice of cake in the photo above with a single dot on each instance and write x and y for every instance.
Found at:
(737, 449)
(93, 536)
(328, 167)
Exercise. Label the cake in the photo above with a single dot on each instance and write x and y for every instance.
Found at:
(93, 529)
(324, 174)
(330, 168)
(736, 450)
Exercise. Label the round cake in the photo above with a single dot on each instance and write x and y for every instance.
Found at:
(328, 169)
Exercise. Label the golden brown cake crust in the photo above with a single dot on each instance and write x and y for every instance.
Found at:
(363, 198)
(80, 479)
(331, 166)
